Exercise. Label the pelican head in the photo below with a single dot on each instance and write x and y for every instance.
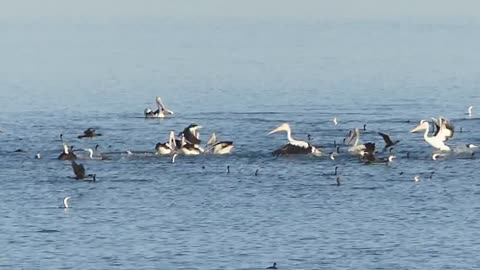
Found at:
(283, 127)
(423, 125)
(65, 202)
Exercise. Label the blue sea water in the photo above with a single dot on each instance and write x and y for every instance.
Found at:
(239, 79)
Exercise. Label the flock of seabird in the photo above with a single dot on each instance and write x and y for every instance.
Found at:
(436, 133)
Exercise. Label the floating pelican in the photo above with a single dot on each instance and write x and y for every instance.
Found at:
(436, 141)
(67, 153)
(388, 142)
(358, 148)
(168, 147)
(192, 134)
(65, 202)
(469, 111)
(293, 146)
(160, 112)
(220, 148)
(445, 129)
(89, 133)
(79, 171)
(188, 149)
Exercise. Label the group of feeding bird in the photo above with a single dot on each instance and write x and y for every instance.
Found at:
(437, 132)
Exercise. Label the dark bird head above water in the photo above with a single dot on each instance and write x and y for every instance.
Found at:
(274, 266)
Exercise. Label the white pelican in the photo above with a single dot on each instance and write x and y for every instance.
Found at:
(67, 153)
(445, 129)
(191, 133)
(293, 146)
(79, 172)
(469, 111)
(168, 147)
(388, 142)
(220, 148)
(436, 141)
(186, 148)
(89, 133)
(160, 112)
(358, 148)
(65, 202)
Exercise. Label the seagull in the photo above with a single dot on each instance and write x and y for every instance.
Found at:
(335, 121)
(416, 178)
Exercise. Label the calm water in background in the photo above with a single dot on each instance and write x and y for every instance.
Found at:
(238, 79)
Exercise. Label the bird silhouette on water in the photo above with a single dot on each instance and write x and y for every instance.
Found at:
(274, 266)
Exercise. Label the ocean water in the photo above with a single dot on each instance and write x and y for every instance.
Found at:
(239, 79)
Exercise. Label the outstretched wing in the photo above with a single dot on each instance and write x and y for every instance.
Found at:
(386, 138)
(78, 170)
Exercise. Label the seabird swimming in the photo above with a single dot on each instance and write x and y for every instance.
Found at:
(187, 148)
(388, 142)
(435, 156)
(436, 142)
(191, 134)
(274, 266)
(220, 148)
(444, 129)
(293, 146)
(335, 121)
(67, 153)
(89, 133)
(167, 148)
(358, 148)
(160, 112)
(79, 171)
(416, 178)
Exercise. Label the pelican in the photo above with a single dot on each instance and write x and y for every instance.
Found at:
(388, 142)
(65, 202)
(192, 134)
(220, 148)
(168, 147)
(79, 171)
(67, 153)
(445, 129)
(89, 133)
(357, 148)
(160, 112)
(188, 149)
(436, 141)
(293, 146)
(469, 111)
